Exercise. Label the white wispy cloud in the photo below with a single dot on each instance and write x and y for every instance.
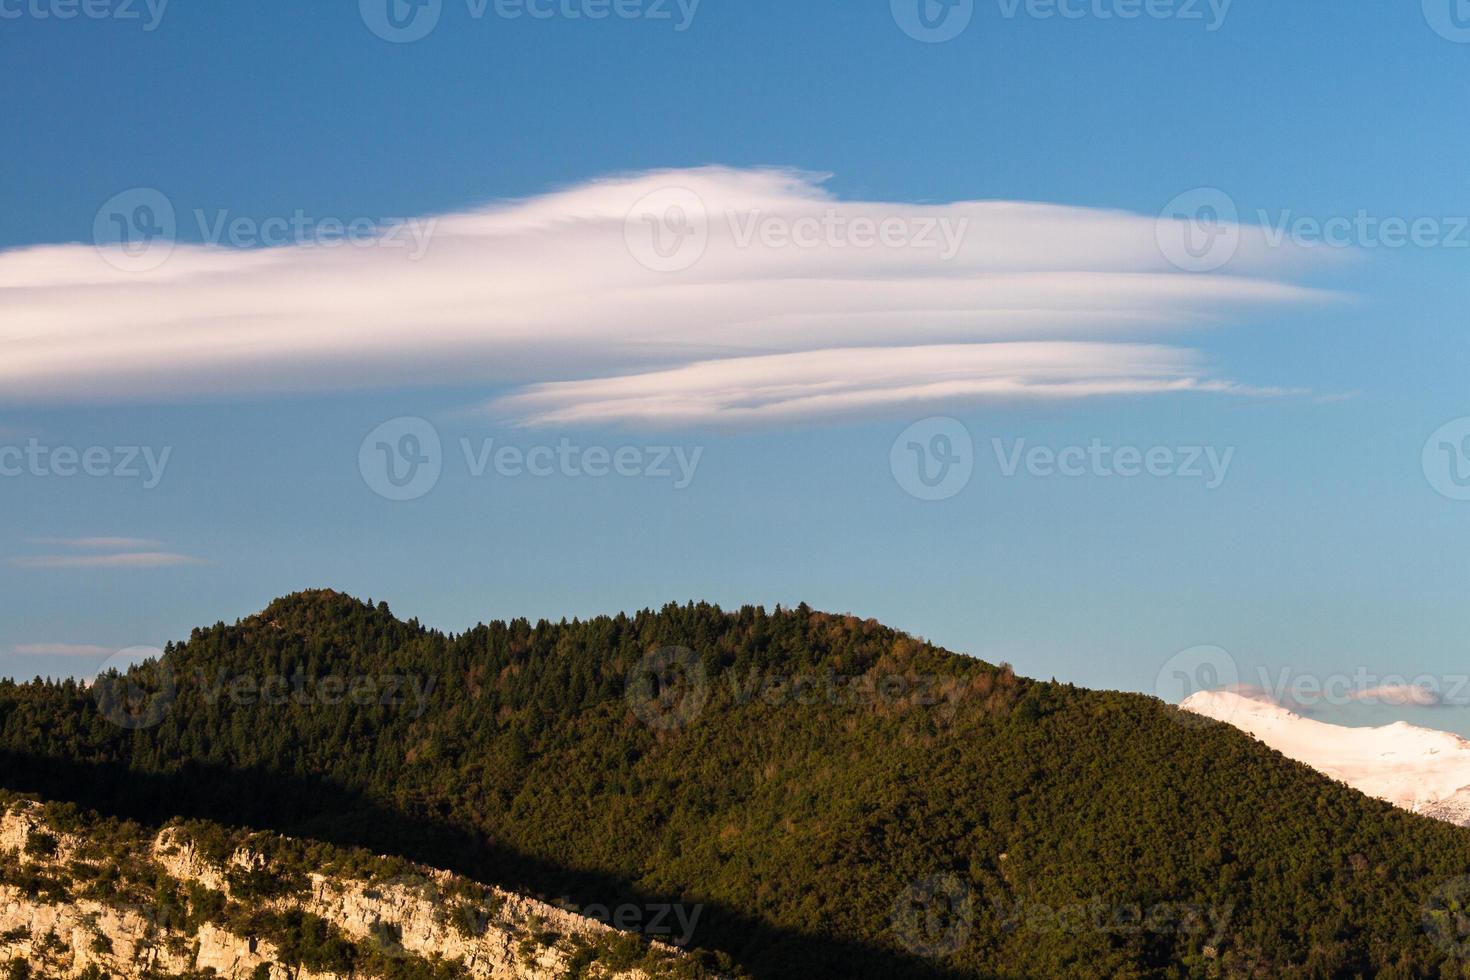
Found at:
(566, 288)
(784, 387)
(1417, 695)
(98, 544)
(1255, 692)
(138, 559)
(62, 650)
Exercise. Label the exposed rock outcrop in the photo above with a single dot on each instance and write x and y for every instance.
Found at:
(158, 906)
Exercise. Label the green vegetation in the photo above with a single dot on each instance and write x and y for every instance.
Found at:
(1089, 833)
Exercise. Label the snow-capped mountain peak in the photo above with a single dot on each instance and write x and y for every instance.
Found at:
(1419, 769)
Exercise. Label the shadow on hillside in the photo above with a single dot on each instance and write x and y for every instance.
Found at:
(317, 809)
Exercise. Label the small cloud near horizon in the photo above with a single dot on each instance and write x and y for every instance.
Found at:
(61, 650)
(139, 559)
(1391, 695)
(1401, 695)
(99, 544)
(1255, 692)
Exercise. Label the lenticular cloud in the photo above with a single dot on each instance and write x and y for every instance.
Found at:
(698, 296)
(789, 387)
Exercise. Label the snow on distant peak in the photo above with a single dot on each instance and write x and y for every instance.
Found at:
(1418, 769)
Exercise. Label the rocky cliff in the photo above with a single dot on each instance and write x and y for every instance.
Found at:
(81, 898)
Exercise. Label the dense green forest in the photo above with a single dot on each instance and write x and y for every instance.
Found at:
(836, 798)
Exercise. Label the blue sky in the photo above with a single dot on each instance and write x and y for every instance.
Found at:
(1325, 550)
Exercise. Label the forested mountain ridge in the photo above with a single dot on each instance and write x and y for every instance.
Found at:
(820, 787)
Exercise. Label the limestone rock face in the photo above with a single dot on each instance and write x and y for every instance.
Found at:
(65, 940)
(61, 929)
